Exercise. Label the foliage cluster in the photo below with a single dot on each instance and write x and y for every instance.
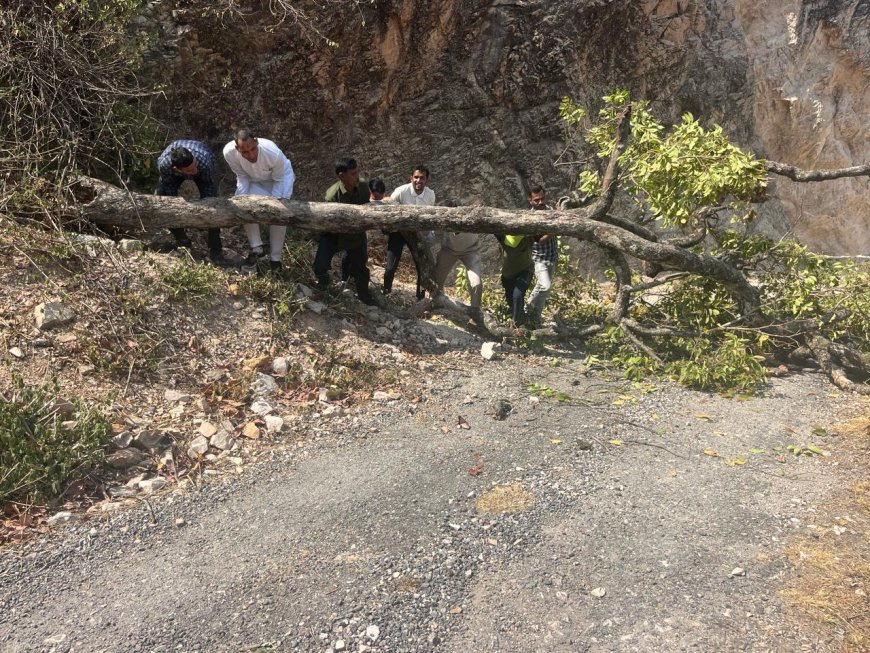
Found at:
(720, 354)
(691, 327)
(798, 284)
(671, 173)
(45, 442)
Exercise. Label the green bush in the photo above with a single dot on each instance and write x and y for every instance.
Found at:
(726, 365)
(191, 282)
(42, 446)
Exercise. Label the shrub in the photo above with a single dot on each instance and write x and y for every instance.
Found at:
(42, 446)
(191, 282)
(71, 100)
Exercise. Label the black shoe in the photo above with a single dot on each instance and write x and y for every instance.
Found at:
(275, 266)
(218, 260)
(368, 300)
(251, 264)
(252, 258)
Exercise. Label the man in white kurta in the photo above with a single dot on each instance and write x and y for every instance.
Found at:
(415, 193)
(261, 168)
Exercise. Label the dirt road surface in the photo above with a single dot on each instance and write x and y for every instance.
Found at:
(623, 518)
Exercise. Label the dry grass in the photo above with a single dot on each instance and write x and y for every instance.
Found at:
(507, 498)
(857, 429)
(407, 584)
(832, 581)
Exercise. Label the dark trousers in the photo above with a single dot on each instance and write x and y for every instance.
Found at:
(213, 238)
(395, 243)
(356, 257)
(515, 294)
(345, 266)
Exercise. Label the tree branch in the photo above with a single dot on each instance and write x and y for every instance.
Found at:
(797, 174)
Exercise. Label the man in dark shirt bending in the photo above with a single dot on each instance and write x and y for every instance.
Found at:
(347, 190)
(189, 159)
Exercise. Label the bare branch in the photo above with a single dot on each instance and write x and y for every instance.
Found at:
(609, 181)
(659, 331)
(623, 283)
(797, 174)
(640, 344)
(659, 281)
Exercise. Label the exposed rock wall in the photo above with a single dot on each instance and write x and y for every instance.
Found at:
(472, 88)
(811, 108)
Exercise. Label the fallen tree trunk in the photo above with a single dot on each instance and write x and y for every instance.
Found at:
(107, 205)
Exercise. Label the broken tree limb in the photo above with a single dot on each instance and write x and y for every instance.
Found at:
(107, 205)
(824, 354)
(798, 174)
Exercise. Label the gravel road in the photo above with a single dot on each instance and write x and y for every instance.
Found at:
(627, 535)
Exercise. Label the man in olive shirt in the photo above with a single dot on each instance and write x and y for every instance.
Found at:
(347, 190)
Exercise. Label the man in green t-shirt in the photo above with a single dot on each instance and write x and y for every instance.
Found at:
(347, 190)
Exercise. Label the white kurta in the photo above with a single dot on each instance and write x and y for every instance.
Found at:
(271, 174)
(405, 194)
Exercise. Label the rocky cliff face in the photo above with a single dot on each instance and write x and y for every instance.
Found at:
(810, 72)
(472, 89)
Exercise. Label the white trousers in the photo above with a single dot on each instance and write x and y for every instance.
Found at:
(545, 271)
(277, 233)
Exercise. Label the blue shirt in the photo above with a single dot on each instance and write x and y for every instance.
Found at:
(204, 178)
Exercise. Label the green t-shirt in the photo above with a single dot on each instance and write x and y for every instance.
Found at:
(517, 254)
(359, 195)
